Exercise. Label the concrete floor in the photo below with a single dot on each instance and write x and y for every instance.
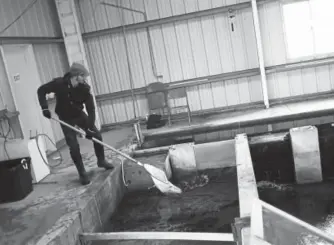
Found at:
(59, 194)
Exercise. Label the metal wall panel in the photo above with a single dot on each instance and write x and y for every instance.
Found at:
(51, 61)
(40, 20)
(213, 95)
(182, 50)
(301, 82)
(192, 49)
(292, 83)
(97, 16)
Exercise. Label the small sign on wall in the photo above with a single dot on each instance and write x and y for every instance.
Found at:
(17, 77)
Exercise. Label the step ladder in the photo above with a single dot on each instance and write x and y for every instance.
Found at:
(73, 39)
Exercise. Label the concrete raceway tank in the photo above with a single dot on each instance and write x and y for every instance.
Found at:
(222, 180)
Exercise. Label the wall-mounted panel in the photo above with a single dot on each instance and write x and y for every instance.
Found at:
(39, 20)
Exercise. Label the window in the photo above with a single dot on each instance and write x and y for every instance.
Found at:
(309, 28)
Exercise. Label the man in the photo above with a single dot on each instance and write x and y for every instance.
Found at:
(72, 92)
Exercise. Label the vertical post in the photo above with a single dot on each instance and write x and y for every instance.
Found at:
(260, 53)
(70, 28)
(128, 61)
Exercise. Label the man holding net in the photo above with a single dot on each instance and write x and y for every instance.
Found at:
(72, 93)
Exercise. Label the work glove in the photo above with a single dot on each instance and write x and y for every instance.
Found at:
(47, 113)
(89, 134)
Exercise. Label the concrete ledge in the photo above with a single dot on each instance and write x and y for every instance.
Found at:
(90, 211)
(182, 162)
(246, 182)
(215, 155)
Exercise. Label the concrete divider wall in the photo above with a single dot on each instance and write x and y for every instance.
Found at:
(215, 155)
(90, 211)
(306, 154)
(246, 182)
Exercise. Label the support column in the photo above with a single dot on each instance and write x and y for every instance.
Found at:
(306, 154)
(73, 39)
(260, 53)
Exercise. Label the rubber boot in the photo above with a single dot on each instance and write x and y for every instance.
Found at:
(104, 164)
(83, 176)
(84, 179)
(101, 160)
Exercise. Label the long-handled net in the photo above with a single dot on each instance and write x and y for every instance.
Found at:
(158, 176)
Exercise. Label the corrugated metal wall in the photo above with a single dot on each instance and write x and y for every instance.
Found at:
(183, 50)
(40, 20)
(192, 49)
(293, 83)
(96, 16)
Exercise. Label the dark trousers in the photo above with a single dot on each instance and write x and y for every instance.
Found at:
(72, 140)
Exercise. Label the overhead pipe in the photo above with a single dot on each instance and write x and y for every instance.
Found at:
(150, 46)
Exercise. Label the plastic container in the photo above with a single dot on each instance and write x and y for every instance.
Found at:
(15, 179)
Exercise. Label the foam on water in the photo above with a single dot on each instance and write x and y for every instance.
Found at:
(196, 182)
(268, 184)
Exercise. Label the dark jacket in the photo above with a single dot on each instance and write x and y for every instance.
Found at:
(70, 100)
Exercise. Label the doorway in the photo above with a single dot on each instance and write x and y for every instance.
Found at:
(24, 81)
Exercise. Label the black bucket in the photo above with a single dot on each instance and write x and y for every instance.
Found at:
(15, 179)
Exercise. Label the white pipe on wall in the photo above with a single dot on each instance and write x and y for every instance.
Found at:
(260, 53)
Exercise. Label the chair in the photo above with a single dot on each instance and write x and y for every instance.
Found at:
(179, 99)
(159, 97)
